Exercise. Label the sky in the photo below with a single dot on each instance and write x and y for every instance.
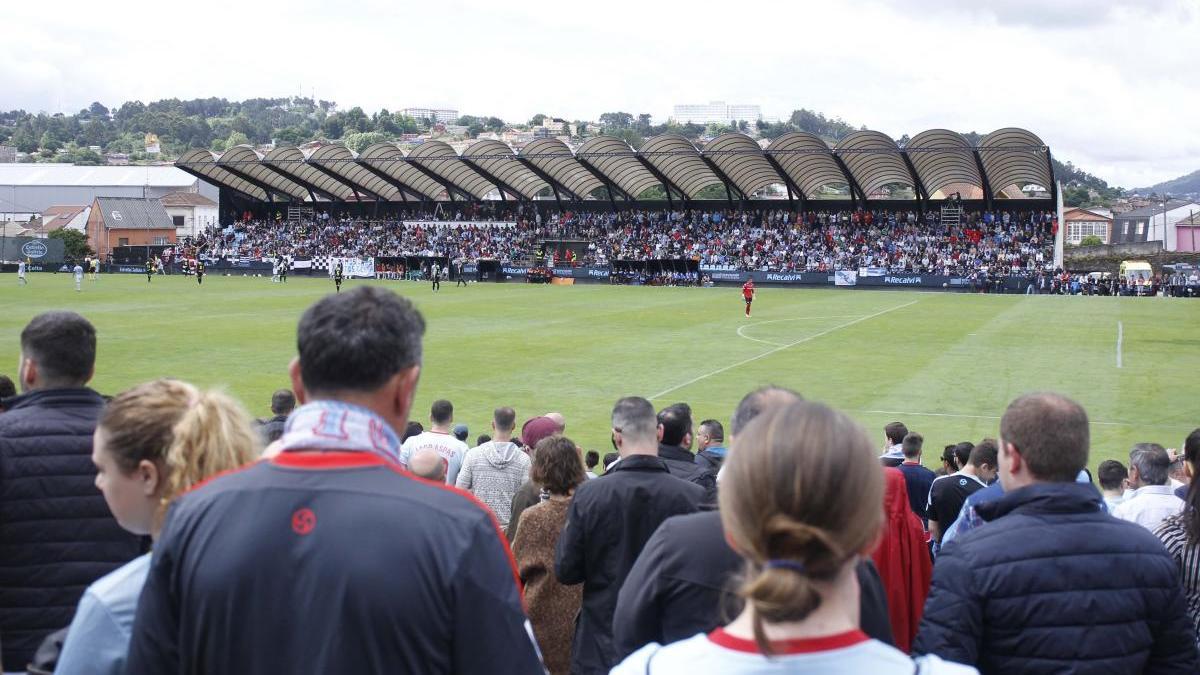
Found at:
(1111, 85)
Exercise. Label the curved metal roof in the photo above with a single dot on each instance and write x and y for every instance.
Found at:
(556, 160)
(243, 159)
(741, 159)
(676, 158)
(807, 160)
(294, 163)
(390, 160)
(340, 161)
(441, 159)
(616, 160)
(874, 160)
(203, 163)
(500, 161)
(943, 158)
(1014, 156)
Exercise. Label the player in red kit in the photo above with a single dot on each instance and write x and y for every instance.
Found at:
(748, 294)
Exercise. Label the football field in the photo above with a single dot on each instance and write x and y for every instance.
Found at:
(946, 364)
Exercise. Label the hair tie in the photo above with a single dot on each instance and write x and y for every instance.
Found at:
(794, 565)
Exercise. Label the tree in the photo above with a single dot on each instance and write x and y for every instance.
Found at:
(236, 138)
(1091, 240)
(97, 110)
(74, 242)
(494, 124)
(361, 141)
(49, 142)
(537, 120)
(23, 140)
(616, 120)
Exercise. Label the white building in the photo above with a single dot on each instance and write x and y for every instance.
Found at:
(190, 212)
(718, 112)
(33, 188)
(444, 115)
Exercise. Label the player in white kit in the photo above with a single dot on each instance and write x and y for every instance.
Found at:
(78, 277)
(21, 280)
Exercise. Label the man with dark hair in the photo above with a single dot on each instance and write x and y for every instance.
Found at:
(608, 523)
(591, 460)
(1152, 500)
(947, 493)
(494, 471)
(917, 479)
(283, 401)
(710, 446)
(440, 439)
(361, 544)
(754, 403)
(893, 453)
(1053, 584)
(1114, 481)
(7, 390)
(57, 535)
(674, 448)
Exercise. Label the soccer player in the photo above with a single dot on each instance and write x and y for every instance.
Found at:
(21, 280)
(275, 271)
(149, 269)
(95, 268)
(199, 272)
(462, 281)
(78, 277)
(436, 277)
(283, 268)
(748, 294)
(338, 275)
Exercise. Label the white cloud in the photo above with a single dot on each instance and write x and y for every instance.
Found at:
(1111, 86)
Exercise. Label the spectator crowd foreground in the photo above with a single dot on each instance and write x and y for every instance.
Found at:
(356, 541)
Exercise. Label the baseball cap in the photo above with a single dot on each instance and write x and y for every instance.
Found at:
(537, 428)
(461, 432)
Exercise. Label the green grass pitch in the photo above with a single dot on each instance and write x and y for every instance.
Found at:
(945, 364)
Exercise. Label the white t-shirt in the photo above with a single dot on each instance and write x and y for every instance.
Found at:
(21, 268)
(452, 450)
(78, 273)
(851, 653)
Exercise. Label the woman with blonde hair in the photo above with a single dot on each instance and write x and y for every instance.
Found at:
(802, 503)
(153, 443)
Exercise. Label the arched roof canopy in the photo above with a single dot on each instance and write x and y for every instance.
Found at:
(293, 162)
(677, 159)
(441, 159)
(338, 159)
(943, 158)
(203, 164)
(614, 158)
(874, 160)
(1013, 156)
(553, 157)
(499, 160)
(808, 160)
(741, 159)
(389, 159)
(244, 159)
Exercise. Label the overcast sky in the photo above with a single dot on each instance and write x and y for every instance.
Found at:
(1112, 85)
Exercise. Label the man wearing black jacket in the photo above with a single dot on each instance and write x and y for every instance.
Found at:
(57, 535)
(674, 448)
(608, 523)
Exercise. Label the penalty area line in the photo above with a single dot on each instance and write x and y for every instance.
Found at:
(780, 348)
(972, 417)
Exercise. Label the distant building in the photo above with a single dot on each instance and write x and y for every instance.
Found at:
(8, 154)
(438, 114)
(1156, 222)
(1083, 222)
(191, 213)
(36, 187)
(65, 217)
(121, 221)
(1187, 233)
(718, 112)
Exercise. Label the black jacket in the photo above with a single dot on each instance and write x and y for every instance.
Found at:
(682, 464)
(710, 461)
(272, 429)
(681, 586)
(1052, 584)
(609, 522)
(57, 535)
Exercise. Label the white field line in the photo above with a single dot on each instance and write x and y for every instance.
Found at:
(1120, 339)
(798, 318)
(973, 417)
(781, 348)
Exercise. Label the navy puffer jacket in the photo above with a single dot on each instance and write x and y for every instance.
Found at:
(1051, 584)
(57, 535)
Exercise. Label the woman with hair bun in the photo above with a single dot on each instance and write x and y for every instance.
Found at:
(786, 509)
(152, 444)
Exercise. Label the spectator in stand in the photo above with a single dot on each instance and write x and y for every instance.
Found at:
(283, 402)
(785, 509)
(681, 583)
(591, 460)
(917, 479)
(439, 438)
(1180, 534)
(494, 471)
(1152, 500)
(609, 522)
(902, 558)
(57, 533)
(552, 606)
(710, 446)
(335, 507)
(1114, 482)
(947, 493)
(428, 464)
(153, 443)
(530, 493)
(1010, 597)
(893, 454)
(675, 448)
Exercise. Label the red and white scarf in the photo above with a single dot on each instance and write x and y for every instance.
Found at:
(335, 425)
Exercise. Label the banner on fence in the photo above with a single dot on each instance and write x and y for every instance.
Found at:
(845, 278)
(354, 267)
(455, 224)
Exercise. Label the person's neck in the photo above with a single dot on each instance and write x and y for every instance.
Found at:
(912, 460)
(502, 437)
(629, 450)
(969, 470)
(838, 612)
(440, 428)
(1112, 492)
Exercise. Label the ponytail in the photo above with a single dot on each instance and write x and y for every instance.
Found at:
(214, 435)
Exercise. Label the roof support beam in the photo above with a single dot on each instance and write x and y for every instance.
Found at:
(301, 182)
(854, 187)
(987, 184)
(918, 185)
(451, 187)
(666, 182)
(729, 184)
(787, 180)
(554, 183)
(257, 183)
(210, 179)
(356, 187)
(492, 178)
(1054, 188)
(394, 182)
(608, 183)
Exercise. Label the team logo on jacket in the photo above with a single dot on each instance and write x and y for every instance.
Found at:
(303, 521)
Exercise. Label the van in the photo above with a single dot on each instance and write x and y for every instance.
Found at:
(1138, 276)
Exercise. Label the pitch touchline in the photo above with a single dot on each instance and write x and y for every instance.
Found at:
(974, 417)
(798, 318)
(780, 348)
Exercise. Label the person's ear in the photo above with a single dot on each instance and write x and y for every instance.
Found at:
(660, 433)
(297, 383)
(147, 472)
(405, 391)
(28, 373)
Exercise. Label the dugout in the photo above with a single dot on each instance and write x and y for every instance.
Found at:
(130, 255)
(659, 271)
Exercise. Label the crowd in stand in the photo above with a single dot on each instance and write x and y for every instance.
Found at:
(1000, 243)
(341, 536)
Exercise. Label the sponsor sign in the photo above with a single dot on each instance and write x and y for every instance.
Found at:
(455, 224)
(845, 278)
(34, 249)
(354, 267)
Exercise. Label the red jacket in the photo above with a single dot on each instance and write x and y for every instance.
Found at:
(903, 561)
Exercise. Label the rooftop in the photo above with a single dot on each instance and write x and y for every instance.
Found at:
(58, 175)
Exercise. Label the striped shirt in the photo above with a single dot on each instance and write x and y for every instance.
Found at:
(1173, 534)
